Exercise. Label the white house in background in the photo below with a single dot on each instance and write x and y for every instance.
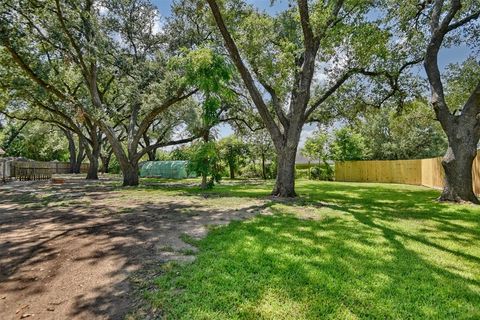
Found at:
(299, 159)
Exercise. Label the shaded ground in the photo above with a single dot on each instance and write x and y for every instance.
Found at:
(72, 251)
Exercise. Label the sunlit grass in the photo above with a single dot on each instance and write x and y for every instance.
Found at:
(341, 251)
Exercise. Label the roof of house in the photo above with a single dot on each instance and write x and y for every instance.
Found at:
(300, 159)
(2, 151)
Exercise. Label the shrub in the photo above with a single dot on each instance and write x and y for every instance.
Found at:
(114, 166)
(205, 161)
(301, 174)
(321, 172)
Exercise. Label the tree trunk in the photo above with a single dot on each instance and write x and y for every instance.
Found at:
(457, 164)
(92, 173)
(309, 171)
(204, 181)
(128, 162)
(130, 175)
(152, 155)
(264, 169)
(285, 182)
(80, 156)
(232, 171)
(206, 138)
(463, 127)
(106, 157)
(72, 150)
(129, 168)
(105, 163)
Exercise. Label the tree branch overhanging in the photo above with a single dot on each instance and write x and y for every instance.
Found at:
(163, 144)
(244, 72)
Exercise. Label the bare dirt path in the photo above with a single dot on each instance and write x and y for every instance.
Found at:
(69, 251)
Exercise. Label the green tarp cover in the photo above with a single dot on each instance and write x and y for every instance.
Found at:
(165, 169)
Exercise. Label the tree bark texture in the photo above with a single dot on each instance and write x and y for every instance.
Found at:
(457, 164)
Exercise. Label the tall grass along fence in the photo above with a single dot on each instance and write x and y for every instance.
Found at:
(34, 170)
(424, 172)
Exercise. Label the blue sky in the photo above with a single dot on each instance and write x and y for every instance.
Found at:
(164, 5)
(447, 56)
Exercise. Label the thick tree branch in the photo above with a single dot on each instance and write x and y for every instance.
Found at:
(308, 36)
(472, 106)
(436, 13)
(391, 76)
(454, 8)
(464, 21)
(245, 73)
(438, 31)
(163, 144)
(328, 93)
(275, 102)
(245, 122)
(150, 117)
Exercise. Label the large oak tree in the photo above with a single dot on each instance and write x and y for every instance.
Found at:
(115, 52)
(435, 25)
(293, 62)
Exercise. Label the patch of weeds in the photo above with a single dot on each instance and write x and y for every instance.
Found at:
(188, 251)
(24, 198)
(144, 287)
(34, 206)
(188, 239)
(125, 210)
(212, 227)
(69, 203)
(65, 203)
(169, 266)
(167, 249)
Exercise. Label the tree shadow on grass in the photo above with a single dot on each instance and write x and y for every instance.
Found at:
(386, 252)
(284, 267)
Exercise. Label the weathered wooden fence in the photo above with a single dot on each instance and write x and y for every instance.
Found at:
(424, 172)
(34, 170)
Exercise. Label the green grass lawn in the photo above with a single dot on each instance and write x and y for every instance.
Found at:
(341, 251)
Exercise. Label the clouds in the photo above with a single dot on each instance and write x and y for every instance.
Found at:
(307, 131)
(158, 24)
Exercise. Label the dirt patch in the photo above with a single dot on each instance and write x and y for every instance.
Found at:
(77, 250)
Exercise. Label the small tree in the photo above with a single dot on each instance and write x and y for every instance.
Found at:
(210, 73)
(205, 161)
(348, 145)
(180, 153)
(260, 147)
(233, 152)
(315, 147)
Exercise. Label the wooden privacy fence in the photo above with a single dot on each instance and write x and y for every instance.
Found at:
(35, 170)
(423, 172)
